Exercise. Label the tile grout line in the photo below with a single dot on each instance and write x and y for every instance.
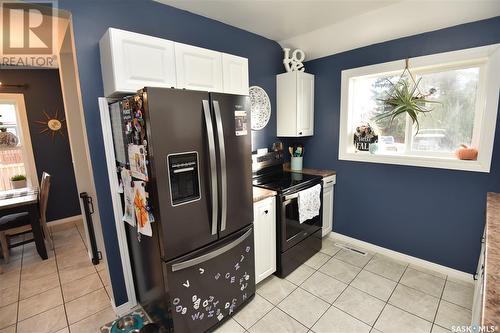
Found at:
(398, 282)
(19, 288)
(439, 303)
(348, 284)
(387, 302)
(60, 286)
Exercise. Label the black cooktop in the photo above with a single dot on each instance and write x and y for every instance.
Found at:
(285, 181)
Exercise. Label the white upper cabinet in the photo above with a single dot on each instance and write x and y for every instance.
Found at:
(198, 68)
(235, 74)
(295, 104)
(131, 61)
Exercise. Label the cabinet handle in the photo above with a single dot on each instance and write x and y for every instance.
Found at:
(482, 239)
(266, 211)
(300, 133)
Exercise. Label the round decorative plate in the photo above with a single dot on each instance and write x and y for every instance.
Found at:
(260, 107)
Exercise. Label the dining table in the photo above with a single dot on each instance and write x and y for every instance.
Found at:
(25, 200)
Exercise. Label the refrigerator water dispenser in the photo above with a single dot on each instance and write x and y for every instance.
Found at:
(184, 178)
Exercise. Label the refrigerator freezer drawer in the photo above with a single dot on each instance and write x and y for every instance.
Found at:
(211, 284)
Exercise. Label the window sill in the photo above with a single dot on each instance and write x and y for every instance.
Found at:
(418, 161)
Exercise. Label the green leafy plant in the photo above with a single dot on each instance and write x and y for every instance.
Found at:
(404, 97)
(18, 177)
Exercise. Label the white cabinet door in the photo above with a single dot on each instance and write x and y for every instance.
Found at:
(198, 68)
(131, 61)
(295, 104)
(235, 72)
(265, 238)
(305, 104)
(328, 183)
(327, 210)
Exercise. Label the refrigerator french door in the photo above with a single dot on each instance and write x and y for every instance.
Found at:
(200, 155)
(234, 147)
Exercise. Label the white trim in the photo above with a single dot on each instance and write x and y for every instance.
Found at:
(116, 200)
(64, 220)
(123, 309)
(450, 272)
(485, 57)
(23, 126)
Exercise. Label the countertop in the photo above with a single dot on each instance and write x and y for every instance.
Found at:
(316, 172)
(262, 193)
(491, 305)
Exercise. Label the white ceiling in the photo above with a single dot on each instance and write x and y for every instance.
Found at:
(324, 27)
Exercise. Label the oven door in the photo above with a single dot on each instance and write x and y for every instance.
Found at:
(292, 231)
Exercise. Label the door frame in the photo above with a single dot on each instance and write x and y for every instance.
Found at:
(77, 134)
(115, 190)
(23, 125)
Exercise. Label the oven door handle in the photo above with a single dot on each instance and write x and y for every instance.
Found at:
(291, 196)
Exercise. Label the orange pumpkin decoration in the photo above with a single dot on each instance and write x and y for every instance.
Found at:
(466, 153)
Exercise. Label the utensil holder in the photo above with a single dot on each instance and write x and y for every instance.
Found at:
(296, 163)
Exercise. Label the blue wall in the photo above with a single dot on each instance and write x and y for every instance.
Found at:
(92, 18)
(53, 156)
(433, 214)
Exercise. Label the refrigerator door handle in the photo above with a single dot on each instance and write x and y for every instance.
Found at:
(198, 260)
(222, 150)
(213, 167)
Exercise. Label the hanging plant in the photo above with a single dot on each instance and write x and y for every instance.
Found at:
(405, 97)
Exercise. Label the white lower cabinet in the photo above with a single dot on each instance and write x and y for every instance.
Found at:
(264, 238)
(328, 183)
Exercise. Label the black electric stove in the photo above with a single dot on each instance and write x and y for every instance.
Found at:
(296, 242)
(286, 181)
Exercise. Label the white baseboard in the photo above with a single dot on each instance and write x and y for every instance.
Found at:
(453, 273)
(123, 309)
(64, 220)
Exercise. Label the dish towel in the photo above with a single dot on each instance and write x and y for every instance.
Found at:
(309, 203)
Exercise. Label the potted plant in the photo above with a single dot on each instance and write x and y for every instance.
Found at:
(18, 181)
(405, 97)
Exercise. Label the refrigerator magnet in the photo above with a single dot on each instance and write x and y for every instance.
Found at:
(241, 123)
(137, 158)
(128, 197)
(141, 212)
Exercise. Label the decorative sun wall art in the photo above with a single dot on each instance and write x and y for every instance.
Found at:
(51, 125)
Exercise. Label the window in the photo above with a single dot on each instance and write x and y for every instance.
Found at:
(17, 159)
(466, 85)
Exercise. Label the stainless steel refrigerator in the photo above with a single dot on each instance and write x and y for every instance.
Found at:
(197, 268)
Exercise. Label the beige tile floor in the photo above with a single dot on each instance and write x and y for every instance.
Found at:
(335, 291)
(64, 293)
(341, 291)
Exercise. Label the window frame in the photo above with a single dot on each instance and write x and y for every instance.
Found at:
(23, 127)
(487, 58)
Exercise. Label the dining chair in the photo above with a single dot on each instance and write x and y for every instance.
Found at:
(13, 224)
